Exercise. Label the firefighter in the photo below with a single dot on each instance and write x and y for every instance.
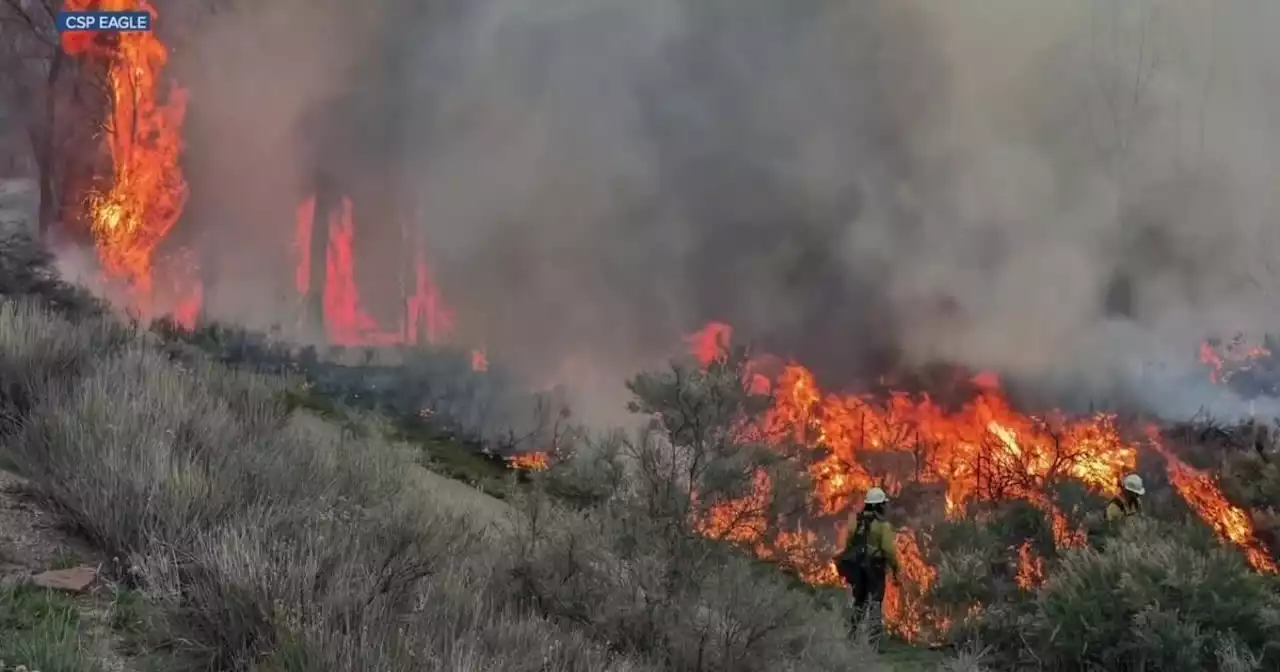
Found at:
(870, 553)
(1129, 502)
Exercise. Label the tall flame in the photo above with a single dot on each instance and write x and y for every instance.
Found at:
(346, 322)
(134, 213)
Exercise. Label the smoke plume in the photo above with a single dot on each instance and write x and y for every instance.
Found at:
(1070, 194)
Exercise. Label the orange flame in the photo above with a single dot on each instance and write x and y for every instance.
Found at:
(1210, 358)
(708, 344)
(1030, 567)
(904, 607)
(345, 320)
(537, 461)
(1225, 361)
(134, 214)
(983, 451)
(1202, 494)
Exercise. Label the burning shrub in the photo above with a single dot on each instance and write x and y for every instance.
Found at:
(651, 557)
(706, 462)
(982, 559)
(1157, 597)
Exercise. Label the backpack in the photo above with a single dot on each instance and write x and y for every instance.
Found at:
(857, 552)
(1098, 529)
(1126, 508)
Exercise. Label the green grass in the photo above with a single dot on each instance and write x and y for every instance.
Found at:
(42, 630)
(310, 400)
(442, 452)
(902, 656)
(140, 628)
(456, 461)
(66, 559)
(291, 655)
(129, 612)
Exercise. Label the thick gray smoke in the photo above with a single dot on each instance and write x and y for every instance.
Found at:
(1070, 193)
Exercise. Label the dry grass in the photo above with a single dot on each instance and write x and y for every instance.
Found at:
(250, 534)
(269, 540)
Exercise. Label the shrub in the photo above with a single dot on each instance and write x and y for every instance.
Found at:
(27, 271)
(267, 537)
(632, 559)
(695, 603)
(260, 536)
(38, 350)
(1156, 598)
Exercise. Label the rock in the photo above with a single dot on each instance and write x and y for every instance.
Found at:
(74, 580)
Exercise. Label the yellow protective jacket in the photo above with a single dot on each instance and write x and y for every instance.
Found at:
(1121, 508)
(882, 542)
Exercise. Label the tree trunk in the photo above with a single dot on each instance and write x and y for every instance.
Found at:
(43, 142)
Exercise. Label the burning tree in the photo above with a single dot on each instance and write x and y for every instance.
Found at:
(325, 277)
(132, 211)
(106, 131)
(106, 121)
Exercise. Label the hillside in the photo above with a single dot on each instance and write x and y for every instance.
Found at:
(240, 520)
(258, 535)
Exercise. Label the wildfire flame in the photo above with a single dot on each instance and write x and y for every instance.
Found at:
(1225, 361)
(132, 213)
(131, 217)
(535, 461)
(983, 451)
(1030, 567)
(346, 322)
(1202, 494)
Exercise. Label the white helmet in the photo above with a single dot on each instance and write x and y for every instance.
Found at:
(876, 496)
(1133, 483)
